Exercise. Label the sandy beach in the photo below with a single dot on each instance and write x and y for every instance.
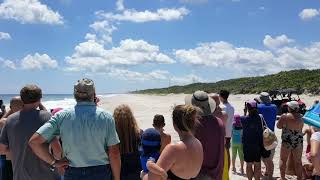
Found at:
(146, 106)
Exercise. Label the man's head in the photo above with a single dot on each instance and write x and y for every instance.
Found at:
(16, 104)
(31, 95)
(201, 100)
(224, 95)
(264, 98)
(216, 99)
(84, 90)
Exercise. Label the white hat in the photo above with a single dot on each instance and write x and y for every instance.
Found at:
(294, 105)
(201, 100)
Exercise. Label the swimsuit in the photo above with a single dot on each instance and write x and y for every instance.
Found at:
(172, 176)
(292, 139)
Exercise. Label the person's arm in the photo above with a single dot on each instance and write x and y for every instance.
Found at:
(115, 160)
(40, 147)
(56, 148)
(154, 168)
(165, 161)
(315, 154)
(281, 121)
(4, 118)
(4, 149)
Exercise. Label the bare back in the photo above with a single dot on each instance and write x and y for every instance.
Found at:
(184, 159)
(292, 121)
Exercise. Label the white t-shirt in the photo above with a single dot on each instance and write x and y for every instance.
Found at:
(230, 111)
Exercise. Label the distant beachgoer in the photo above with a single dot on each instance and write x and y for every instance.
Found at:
(252, 141)
(229, 109)
(89, 138)
(292, 138)
(158, 124)
(130, 139)
(236, 144)
(16, 105)
(181, 160)
(269, 112)
(315, 154)
(16, 133)
(211, 133)
(2, 108)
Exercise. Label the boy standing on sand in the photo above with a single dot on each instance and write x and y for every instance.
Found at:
(229, 109)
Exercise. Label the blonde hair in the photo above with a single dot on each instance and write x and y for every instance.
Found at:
(185, 117)
(127, 129)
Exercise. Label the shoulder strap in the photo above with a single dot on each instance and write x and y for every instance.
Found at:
(263, 122)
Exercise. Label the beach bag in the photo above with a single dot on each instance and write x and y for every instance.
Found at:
(312, 116)
(270, 140)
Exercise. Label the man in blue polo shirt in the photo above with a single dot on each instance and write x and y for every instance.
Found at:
(89, 138)
(269, 112)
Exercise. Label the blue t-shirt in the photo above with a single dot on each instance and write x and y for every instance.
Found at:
(269, 112)
(86, 132)
(236, 135)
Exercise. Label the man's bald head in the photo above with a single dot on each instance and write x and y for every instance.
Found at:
(215, 97)
(16, 104)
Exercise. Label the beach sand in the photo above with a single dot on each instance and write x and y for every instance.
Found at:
(145, 107)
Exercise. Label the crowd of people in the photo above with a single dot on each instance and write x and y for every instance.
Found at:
(87, 143)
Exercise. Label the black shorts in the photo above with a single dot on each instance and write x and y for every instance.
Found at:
(254, 153)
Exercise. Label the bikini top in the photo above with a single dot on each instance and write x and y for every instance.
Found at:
(172, 176)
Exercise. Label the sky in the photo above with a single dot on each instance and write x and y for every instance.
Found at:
(130, 45)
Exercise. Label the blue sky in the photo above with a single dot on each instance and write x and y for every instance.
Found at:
(127, 45)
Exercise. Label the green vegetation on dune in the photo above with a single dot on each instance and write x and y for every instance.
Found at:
(306, 81)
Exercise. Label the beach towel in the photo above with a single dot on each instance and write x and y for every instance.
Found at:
(312, 116)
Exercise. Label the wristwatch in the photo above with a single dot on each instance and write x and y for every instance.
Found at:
(53, 165)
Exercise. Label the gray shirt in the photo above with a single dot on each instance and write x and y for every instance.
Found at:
(16, 133)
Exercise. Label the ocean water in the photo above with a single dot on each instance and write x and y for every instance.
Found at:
(51, 101)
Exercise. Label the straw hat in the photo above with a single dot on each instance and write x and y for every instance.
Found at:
(201, 100)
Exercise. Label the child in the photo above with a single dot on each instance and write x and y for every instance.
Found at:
(237, 143)
(158, 124)
(151, 144)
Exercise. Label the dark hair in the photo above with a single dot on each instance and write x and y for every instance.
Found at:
(30, 94)
(1, 102)
(224, 94)
(158, 120)
(184, 117)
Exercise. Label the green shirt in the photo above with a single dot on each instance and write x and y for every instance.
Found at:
(86, 131)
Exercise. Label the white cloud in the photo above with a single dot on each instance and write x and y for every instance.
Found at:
(249, 61)
(4, 36)
(132, 15)
(120, 5)
(38, 61)
(92, 56)
(307, 14)
(276, 42)
(29, 11)
(128, 75)
(8, 64)
(104, 31)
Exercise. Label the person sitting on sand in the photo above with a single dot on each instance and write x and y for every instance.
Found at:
(252, 140)
(292, 139)
(158, 124)
(130, 138)
(211, 133)
(16, 105)
(181, 160)
(236, 145)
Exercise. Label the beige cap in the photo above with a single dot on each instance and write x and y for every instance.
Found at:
(84, 87)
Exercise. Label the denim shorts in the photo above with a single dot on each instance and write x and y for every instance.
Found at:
(102, 172)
